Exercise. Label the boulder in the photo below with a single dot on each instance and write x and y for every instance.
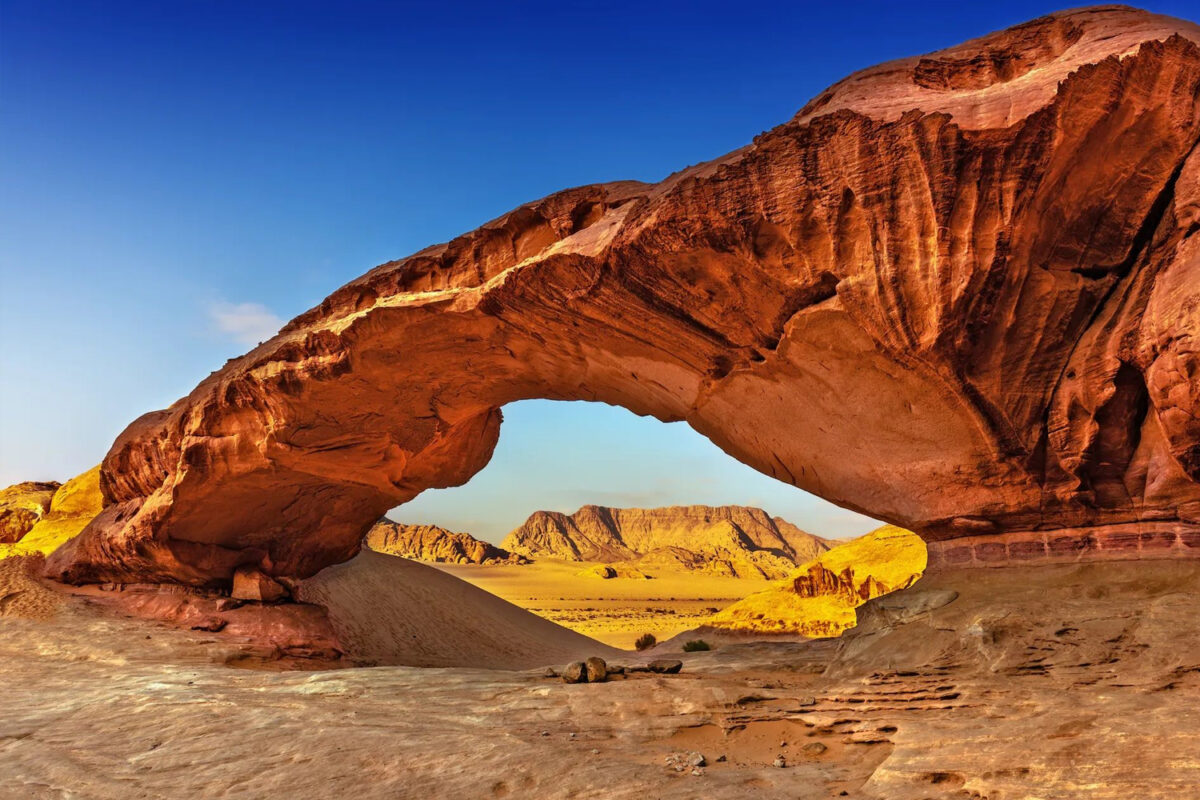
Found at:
(251, 584)
(575, 672)
(665, 667)
(597, 670)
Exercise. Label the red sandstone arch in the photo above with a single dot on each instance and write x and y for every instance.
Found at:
(959, 293)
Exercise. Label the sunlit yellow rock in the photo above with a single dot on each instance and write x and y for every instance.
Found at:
(74, 505)
(838, 581)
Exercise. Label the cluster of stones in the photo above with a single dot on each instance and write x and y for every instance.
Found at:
(597, 670)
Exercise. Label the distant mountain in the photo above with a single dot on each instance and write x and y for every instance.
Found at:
(724, 540)
(431, 543)
(819, 599)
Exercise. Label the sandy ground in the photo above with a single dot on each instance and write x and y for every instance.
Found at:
(1050, 682)
(614, 611)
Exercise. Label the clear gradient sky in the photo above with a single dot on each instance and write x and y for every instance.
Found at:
(180, 177)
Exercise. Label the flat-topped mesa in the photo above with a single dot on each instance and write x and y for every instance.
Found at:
(960, 293)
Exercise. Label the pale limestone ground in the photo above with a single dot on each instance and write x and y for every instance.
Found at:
(614, 611)
(1051, 682)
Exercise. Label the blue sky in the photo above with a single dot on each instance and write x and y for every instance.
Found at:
(177, 178)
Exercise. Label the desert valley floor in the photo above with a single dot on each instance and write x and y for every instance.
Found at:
(614, 611)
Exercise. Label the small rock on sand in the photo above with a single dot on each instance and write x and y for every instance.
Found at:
(814, 748)
(780, 761)
(597, 670)
(575, 672)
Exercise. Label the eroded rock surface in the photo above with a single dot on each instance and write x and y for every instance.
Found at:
(1059, 682)
(958, 292)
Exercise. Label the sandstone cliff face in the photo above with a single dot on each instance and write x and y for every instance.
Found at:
(959, 292)
(432, 543)
(726, 540)
(21, 506)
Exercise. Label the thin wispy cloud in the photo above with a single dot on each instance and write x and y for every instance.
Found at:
(244, 323)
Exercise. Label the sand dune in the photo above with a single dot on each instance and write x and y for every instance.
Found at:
(389, 610)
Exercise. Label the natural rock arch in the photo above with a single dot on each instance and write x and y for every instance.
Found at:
(959, 293)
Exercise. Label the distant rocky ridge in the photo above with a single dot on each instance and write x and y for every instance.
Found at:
(432, 543)
(725, 540)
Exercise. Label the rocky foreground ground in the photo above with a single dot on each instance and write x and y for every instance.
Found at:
(1050, 682)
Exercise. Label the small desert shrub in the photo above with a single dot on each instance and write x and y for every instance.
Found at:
(645, 641)
(694, 645)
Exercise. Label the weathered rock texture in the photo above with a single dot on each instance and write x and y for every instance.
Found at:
(725, 540)
(21, 506)
(958, 292)
(432, 543)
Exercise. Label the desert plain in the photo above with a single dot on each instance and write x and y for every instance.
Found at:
(615, 611)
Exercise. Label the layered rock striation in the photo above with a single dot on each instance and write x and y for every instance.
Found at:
(724, 540)
(433, 543)
(957, 292)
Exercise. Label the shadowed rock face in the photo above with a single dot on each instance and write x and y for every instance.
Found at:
(959, 293)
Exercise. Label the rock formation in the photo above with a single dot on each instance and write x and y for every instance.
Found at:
(21, 506)
(431, 543)
(607, 572)
(726, 540)
(820, 598)
(957, 292)
(72, 506)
